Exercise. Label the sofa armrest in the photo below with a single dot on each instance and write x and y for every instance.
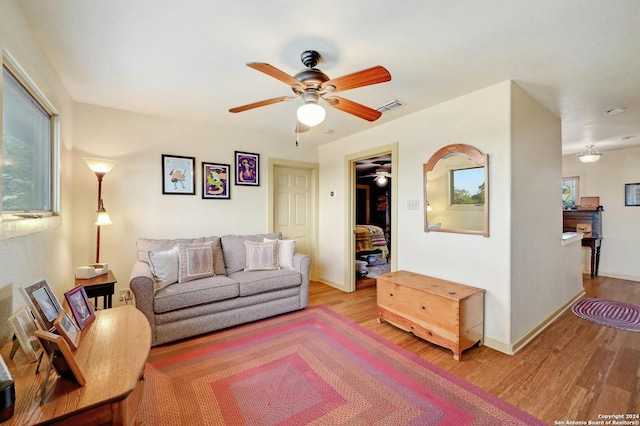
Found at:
(143, 285)
(302, 264)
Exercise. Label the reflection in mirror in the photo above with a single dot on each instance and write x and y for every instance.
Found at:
(456, 184)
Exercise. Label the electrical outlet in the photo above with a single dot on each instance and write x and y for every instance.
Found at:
(125, 295)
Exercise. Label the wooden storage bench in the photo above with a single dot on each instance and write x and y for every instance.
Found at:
(445, 313)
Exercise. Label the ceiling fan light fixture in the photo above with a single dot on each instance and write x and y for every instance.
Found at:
(381, 180)
(311, 114)
(590, 156)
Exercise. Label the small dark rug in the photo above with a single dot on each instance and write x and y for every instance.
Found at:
(609, 312)
(376, 270)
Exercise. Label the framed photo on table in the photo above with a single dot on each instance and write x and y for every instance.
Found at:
(43, 303)
(178, 175)
(68, 329)
(81, 308)
(247, 168)
(23, 326)
(61, 357)
(215, 181)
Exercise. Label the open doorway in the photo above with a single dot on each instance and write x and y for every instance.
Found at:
(372, 206)
(372, 213)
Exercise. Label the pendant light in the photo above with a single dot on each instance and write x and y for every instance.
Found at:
(590, 156)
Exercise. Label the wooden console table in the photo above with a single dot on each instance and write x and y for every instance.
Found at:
(595, 244)
(445, 313)
(112, 354)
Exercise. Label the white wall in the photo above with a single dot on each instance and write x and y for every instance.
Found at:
(504, 122)
(132, 191)
(36, 249)
(480, 119)
(620, 224)
(539, 286)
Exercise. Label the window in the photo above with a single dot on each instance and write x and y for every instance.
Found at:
(570, 187)
(467, 186)
(27, 147)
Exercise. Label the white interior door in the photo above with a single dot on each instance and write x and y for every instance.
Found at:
(293, 215)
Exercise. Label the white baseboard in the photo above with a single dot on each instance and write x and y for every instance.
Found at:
(619, 276)
(512, 349)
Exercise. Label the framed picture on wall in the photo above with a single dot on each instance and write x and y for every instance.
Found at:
(247, 168)
(215, 181)
(632, 194)
(178, 175)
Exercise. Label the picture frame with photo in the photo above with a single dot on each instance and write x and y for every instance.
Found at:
(215, 181)
(80, 306)
(68, 329)
(61, 357)
(24, 325)
(247, 167)
(178, 175)
(42, 302)
(632, 194)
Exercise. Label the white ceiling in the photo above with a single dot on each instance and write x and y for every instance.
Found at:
(186, 59)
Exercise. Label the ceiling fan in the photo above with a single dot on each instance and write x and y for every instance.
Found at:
(381, 175)
(311, 85)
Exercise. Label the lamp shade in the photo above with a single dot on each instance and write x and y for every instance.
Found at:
(590, 156)
(98, 165)
(381, 180)
(311, 114)
(103, 219)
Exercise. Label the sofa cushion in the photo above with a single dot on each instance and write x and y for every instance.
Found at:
(145, 245)
(195, 261)
(218, 257)
(261, 256)
(254, 282)
(164, 266)
(286, 250)
(197, 292)
(234, 251)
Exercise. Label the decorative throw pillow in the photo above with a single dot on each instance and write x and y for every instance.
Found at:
(286, 249)
(195, 261)
(164, 266)
(261, 256)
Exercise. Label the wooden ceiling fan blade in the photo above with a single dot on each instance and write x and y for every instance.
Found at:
(274, 72)
(353, 108)
(261, 103)
(374, 75)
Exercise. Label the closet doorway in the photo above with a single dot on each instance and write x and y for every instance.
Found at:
(373, 215)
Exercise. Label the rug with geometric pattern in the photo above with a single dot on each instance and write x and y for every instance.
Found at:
(308, 367)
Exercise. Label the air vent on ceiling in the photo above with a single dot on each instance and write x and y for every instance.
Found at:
(389, 106)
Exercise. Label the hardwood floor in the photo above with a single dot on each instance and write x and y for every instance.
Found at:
(573, 371)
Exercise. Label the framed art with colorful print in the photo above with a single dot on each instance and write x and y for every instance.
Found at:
(247, 168)
(215, 181)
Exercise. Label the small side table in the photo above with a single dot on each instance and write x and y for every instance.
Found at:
(100, 286)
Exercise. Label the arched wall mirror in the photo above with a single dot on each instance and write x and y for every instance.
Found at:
(456, 191)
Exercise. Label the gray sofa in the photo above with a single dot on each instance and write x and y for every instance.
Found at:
(233, 296)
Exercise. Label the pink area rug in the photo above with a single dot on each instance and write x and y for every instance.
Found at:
(311, 366)
(609, 313)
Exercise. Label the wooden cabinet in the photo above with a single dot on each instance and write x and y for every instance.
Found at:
(112, 355)
(574, 221)
(445, 313)
(571, 219)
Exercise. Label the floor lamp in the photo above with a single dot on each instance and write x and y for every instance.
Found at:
(100, 168)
